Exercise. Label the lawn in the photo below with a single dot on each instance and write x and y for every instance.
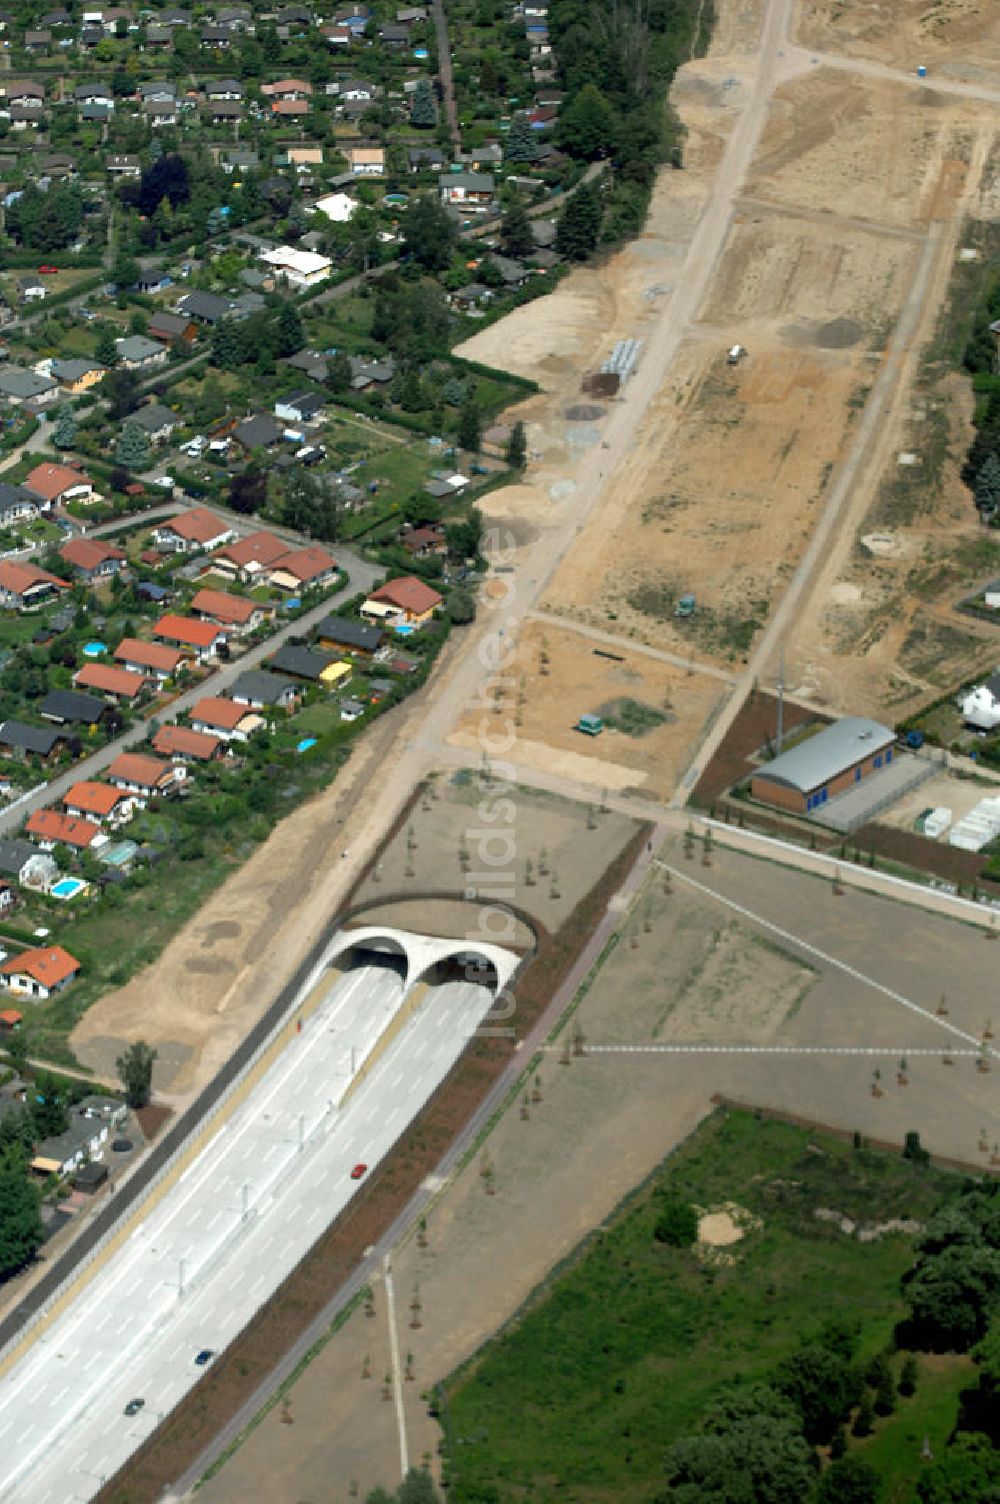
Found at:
(896, 1447)
(626, 1348)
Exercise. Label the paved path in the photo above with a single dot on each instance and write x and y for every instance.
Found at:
(361, 577)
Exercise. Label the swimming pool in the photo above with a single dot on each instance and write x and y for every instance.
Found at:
(306, 743)
(94, 649)
(67, 887)
(405, 630)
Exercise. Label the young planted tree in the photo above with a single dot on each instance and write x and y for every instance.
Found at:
(423, 111)
(521, 145)
(64, 428)
(132, 448)
(517, 447)
(135, 1072)
(987, 487)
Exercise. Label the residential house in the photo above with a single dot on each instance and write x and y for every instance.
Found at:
(49, 828)
(67, 707)
(100, 802)
(248, 559)
(259, 432)
(182, 745)
(310, 362)
(284, 108)
(300, 407)
(92, 558)
(299, 268)
(37, 42)
(467, 189)
(29, 867)
(203, 638)
(425, 542)
(157, 91)
(15, 505)
(425, 159)
(156, 421)
(260, 690)
(216, 38)
(514, 273)
(124, 164)
(139, 353)
(366, 161)
(304, 156)
(189, 532)
(95, 93)
(158, 38)
(55, 485)
(237, 614)
(118, 684)
(301, 663)
(235, 18)
(19, 386)
(32, 290)
(21, 741)
(206, 307)
(309, 568)
(151, 659)
(408, 600)
(172, 327)
(39, 973)
(145, 777)
(340, 633)
(223, 719)
(224, 88)
(24, 117)
(221, 111)
(366, 373)
(239, 159)
(158, 115)
(76, 376)
(288, 88)
(395, 37)
(25, 587)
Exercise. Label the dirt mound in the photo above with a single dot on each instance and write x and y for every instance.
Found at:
(838, 334)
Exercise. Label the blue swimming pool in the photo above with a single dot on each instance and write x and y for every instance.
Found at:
(306, 743)
(405, 630)
(94, 649)
(67, 887)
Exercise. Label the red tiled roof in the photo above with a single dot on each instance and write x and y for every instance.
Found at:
(94, 798)
(185, 743)
(17, 578)
(261, 547)
(409, 594)
(88, 553)
(49, 965)
(186, 629)
(225, 714)
(50, 481)
(231, 609)
(50, 825)
(134, 767)
(305, 564)
(149, 654)
(114, 681)
(197, 526)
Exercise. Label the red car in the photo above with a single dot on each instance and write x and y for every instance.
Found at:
(48, 271)
(358, 1171)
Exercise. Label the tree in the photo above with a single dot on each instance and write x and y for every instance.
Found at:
(464, 536)
(967, 1473)
(105, 350)
(587, 126)
(248, 492)
(952, 1294)
(120, 388)
(125, 271)
(521, 145)
(852, 1480)
(338, 372)
(759, 1459)
(16, 1050)
(470, 428)
(21, 1230)
(135, 1072)
(676, 1222)
(517, 447)
(885, 1392)
(423, 111)
(516, 238)
(913, 1149)
(461, 607)
(580, 224)
(167, 178)
(64, 427)
(48, 1107)
(429, 233)
(909, 1374)
(421, 509)
(987, 487)
(132, 448)
(822, 1384)
(864, 1421)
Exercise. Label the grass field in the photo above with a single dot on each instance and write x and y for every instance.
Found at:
(930, 1413)
(627, 1346)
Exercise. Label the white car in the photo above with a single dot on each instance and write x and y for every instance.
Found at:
(164, 480)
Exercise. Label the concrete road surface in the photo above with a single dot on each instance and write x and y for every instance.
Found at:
(225, 1235)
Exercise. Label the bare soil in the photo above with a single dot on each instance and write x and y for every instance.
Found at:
(955, 38)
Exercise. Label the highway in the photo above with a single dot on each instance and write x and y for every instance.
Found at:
(222, 1238)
